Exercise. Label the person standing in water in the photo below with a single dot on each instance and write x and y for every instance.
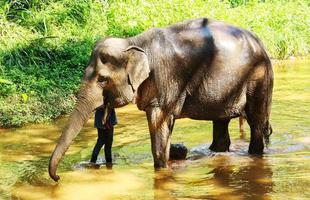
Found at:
(105, 120)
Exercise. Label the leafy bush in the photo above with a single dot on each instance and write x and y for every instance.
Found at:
(282, 25)
(45, 44)
(16, 112)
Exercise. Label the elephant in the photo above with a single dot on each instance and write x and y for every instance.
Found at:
(202, 69)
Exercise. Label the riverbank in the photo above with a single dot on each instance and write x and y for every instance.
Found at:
(46, 46)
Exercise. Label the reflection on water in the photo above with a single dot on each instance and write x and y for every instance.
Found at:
(282, 173)
(252, 180)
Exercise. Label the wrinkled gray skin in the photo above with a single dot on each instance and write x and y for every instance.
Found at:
(200, 69)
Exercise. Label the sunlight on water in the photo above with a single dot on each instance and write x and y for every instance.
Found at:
(95, 184)
(283, 172)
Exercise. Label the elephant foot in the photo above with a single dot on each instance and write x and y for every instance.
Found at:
(256, 148)
(220, 146)
(159, 164)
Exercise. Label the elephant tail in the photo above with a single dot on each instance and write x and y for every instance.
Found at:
(267, 132)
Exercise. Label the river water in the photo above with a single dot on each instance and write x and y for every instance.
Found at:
(282, 173)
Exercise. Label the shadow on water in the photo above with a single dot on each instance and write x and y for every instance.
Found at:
(221, 178)
(253, 180)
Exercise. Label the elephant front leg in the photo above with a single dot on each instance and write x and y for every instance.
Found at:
(160, 126)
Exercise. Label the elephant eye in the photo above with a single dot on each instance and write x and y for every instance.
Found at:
(103, 79)
(103, 60)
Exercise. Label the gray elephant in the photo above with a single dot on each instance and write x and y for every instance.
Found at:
(200, 69)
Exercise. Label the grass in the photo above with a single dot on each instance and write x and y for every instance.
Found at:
(45, 44)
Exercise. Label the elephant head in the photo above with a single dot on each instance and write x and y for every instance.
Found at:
(116, 67)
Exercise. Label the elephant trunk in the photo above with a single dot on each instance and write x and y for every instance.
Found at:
(78, 118)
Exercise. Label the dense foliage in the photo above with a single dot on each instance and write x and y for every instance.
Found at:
(45, 44)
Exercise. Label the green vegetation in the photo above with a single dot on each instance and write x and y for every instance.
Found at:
(45, 44)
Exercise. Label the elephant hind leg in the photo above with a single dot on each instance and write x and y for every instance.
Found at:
(257, 111)
(221, 140)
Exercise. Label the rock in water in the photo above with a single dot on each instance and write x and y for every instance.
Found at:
(178, 152)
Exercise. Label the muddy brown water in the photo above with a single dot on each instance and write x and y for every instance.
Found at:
(282, 173)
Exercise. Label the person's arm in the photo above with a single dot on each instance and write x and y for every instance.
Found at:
(106, 113)
(108, 108)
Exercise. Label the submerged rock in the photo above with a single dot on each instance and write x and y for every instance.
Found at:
(178, 152)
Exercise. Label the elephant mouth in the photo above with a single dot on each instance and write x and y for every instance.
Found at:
(125, 97)
(119, 102)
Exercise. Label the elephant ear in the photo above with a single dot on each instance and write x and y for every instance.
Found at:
(137, 67)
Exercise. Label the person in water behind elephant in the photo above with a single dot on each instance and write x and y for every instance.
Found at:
(105, 120)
